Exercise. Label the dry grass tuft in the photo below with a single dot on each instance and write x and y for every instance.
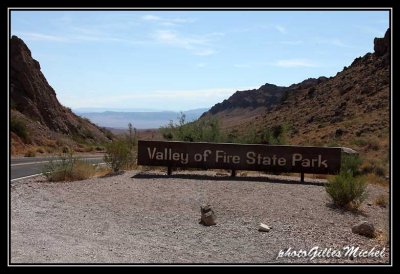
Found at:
(374, 179)
(69, 169)
(30, 153)
(381, 201)
(382, 236)
(102, 170)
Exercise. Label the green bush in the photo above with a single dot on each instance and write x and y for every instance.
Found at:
(351, 163)
(131, 137)
(118, 155)
(66, 149)
(68, 168)
(30, 153)
(275, 135)
(203, 130)
(18, 127)
(345, 190)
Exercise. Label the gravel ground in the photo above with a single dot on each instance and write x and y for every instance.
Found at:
(150, 218)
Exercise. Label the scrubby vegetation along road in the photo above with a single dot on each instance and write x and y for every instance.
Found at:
(21, 167)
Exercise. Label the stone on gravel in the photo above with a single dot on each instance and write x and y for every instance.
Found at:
(207, 215)
(264, 228)
(364, 228)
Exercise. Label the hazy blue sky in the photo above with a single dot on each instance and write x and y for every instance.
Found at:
(179, 60)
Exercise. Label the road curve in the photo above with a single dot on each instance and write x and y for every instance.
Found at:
(23, 167)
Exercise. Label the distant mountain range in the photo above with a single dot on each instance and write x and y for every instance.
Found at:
(139, 119)
(104, 109)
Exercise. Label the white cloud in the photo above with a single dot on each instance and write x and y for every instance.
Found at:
(204, 52)
(241, 65)
(198, 45)
(166, 21)
(334, 42)
(33, 36)
(293, 63)
(176, 39)
(281, 29)
(292, 43)
(150, 17)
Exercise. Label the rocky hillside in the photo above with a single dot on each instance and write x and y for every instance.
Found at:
(266, 96)
(37, 117)
(349, 109)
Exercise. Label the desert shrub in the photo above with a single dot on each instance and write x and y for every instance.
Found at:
(381, 200)
(379, 171)
(367, 143)
(351, 163)
(373, 145)
(82, 170)
(131, 137)
(374, 167)
(372, 178)
(88, 148)
(345, 190)
(68, 168)
(118, 155)
(65, 149)
(359, 142)
(99, 148)
(19, 127)
(275, 135)
(204, 130)
(30, 153)
(88, 134)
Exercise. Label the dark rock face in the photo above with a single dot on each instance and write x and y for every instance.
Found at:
(29, 89)
(267, 95)
(382, 46)
(32, 96)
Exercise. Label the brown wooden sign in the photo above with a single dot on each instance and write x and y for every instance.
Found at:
(274, 158)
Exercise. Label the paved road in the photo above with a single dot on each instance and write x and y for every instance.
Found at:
(22, 167)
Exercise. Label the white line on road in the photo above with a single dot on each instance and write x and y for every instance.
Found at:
(20, 178)
(25, 177)
(39, 162)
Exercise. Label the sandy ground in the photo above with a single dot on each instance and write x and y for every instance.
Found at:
(150, 218)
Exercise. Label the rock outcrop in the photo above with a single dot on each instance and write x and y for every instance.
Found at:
(365, 229)
(207, 216)
(266, 96)
(382, 46)
(33, 97)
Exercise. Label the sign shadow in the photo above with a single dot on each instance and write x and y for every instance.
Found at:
(142, 175)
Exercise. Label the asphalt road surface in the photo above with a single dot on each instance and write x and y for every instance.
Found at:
(22, 167)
